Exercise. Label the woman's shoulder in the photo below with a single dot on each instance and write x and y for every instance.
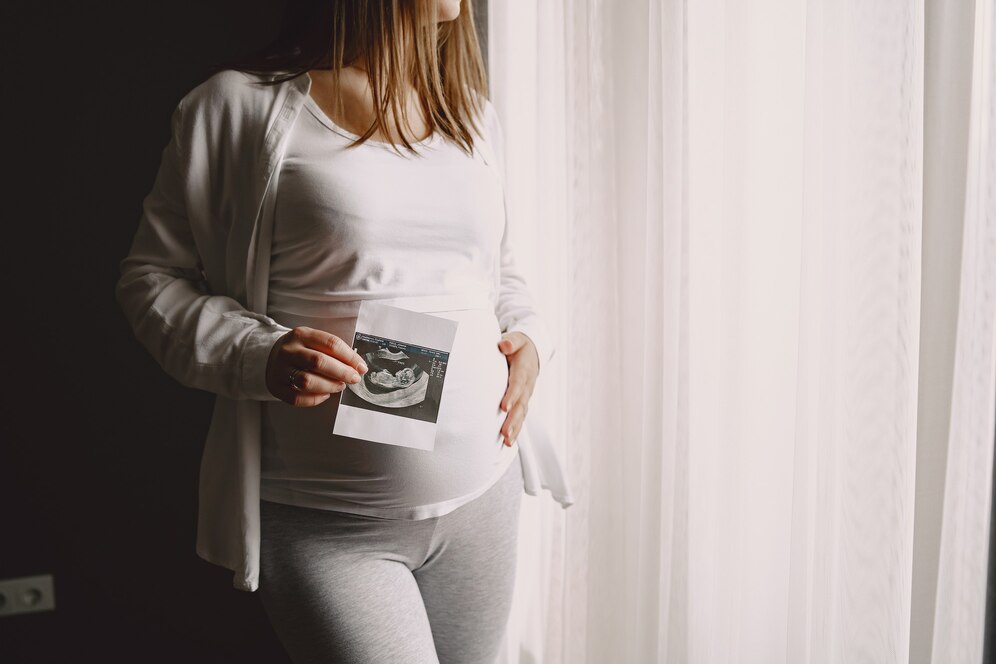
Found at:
(232, 91)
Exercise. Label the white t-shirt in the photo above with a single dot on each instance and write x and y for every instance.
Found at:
(366, 222)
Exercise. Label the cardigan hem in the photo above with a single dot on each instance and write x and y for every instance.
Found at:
(240, 581)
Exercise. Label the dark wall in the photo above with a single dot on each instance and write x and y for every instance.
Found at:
(99, 449)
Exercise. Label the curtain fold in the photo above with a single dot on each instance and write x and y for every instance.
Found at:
(947, 80)
(959, 614)
(724, 205)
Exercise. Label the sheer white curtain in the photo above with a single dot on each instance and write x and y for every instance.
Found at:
(719, 209)
(958, 625)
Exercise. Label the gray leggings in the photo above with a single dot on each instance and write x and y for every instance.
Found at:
(342, 587)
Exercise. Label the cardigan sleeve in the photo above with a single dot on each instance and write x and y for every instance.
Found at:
(202, 340)
(515, 307)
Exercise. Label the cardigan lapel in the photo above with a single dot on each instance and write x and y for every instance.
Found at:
(245, 442)
(257, 257)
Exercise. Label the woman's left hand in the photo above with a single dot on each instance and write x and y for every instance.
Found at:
(523, 367)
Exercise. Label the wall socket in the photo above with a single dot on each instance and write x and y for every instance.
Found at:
(27, 594)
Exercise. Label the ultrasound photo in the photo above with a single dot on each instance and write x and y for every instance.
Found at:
(396, 401)
(403, 379)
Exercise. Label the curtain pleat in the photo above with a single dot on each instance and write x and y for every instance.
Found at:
(959, 614)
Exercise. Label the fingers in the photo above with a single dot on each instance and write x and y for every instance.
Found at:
(321, 363)
(513, 423)
(310, 396)
(521, 380)
(323, 367)
(522, 371)
(329, 344)
(309, 382)
(518, 388)
(327, 361)
(512, 395)
(305, 400)
(511, 342)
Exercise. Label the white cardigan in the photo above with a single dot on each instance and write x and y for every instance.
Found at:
(194, 285)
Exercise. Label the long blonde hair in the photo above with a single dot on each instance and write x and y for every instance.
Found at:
(402, 42)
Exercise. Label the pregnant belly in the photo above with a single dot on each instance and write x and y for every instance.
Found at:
(476, 378)
(300, 451)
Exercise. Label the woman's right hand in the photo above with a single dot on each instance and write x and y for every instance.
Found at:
(321, 363)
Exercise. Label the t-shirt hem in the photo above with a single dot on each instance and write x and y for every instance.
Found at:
(287, 496)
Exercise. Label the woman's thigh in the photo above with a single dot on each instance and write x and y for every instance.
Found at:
(467, 580)
(339, 588)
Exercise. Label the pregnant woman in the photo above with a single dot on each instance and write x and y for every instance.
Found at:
(355, 158)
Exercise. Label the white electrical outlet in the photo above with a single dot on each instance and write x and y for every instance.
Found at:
(27, 594)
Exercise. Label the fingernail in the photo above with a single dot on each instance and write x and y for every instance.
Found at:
(363, 366)
(355, 377)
